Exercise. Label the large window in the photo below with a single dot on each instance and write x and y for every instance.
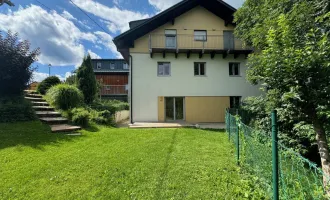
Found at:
(199, 69)
(164, 69)
(112, 65)
(235, 102)
(234, 69)
(125, 66)
(170, 38)
(200, 35)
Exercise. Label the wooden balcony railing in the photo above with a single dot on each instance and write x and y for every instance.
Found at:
(114, 90)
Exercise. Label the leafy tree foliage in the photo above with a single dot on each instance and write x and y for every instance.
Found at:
(15, 64)
(71, 80)
(86, 80)
(292, 61)
(46, 84)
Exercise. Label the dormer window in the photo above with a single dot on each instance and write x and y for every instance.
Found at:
(112, 65)
(98, 65)
(200, 35)
(125, 66)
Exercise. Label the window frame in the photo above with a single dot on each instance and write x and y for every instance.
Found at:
(98, 65)
(232, 69)
(163, 75)
(112, 64)
(199, 68)
(171, 35)
(200, 40)
(233, 101)
(125, 66)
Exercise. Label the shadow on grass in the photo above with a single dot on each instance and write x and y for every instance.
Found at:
(164, 172)
(33, 134)
(92, 128)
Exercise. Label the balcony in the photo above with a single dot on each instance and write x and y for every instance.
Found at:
(210, 44)
(114, 90)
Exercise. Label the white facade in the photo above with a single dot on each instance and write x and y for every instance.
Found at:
(148, 86)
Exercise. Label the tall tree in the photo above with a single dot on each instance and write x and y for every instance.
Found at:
(292, 59)
(86, 80)
(15, 64)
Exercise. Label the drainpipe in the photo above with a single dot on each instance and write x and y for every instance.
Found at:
(131, 89)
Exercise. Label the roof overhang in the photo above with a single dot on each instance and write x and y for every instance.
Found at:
(126, 40)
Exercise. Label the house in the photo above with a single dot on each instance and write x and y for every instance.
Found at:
(112, 74)
(186, 64)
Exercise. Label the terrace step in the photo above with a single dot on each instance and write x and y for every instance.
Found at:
(42, 108)
(35, 99)
(64, 128)
(54, 120)
(42, 114)
(30, 92)
(34, 95)
(34, 103)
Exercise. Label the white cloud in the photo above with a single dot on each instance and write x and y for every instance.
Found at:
(93, 55)
(68, 74)
(38, 76)
(106, 40)
(118, 17)
(68, 15)
(58, 38)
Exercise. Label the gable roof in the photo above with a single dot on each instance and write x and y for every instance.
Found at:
(217, 7)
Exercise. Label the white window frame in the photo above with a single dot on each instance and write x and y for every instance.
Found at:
(98, 65)
(200, 35)
(232, 66)
(171, 33)
(161, 69)
(199, 68)
(112, 66)
(125, 66)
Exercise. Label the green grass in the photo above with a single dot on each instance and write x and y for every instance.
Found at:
(109, 163)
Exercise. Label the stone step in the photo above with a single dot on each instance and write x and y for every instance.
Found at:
(35, 99)
(34, 103)
(54, 120)
(42, 108)
(30, 92)
(42, 114)
(64, 128)
(34, 95)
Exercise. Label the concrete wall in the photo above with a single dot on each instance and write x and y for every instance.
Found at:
(121, 116)
(148, 87)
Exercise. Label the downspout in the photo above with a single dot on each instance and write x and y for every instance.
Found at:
(131, 88)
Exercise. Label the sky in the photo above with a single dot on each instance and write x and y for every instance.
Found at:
(65, 34)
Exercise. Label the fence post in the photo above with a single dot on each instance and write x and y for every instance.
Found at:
(237, 137)
(275, 156)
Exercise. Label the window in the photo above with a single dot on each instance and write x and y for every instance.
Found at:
(125, 66)
(112, 65)
(170, 38)
(164, 69)
(200, 35)
(235, 102)
(234, 69)
(199, 69)
(107, 87)
(98, 65)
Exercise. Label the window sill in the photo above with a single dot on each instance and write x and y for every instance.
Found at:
(235, 76)
(163, 76)
(200, 76)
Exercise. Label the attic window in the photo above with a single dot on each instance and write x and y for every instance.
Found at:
(98, 65)
(112, 65)
(200, 35)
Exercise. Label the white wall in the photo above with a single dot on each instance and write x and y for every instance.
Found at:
(121, 115)
(147, 86)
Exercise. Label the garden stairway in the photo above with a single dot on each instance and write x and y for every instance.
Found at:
(48, 115)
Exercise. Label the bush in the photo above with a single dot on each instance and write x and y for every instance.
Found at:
(16, 109)
(64, 96)
(101, 117)
(47, 84)
(110, 105)
(15, 64)
(80, 116)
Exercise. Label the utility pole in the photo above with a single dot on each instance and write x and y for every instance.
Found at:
(49, 69)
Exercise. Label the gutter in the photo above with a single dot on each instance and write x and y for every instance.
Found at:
(131, 89)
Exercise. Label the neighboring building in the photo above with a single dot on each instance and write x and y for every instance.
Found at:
(113, 76)
(186, 64)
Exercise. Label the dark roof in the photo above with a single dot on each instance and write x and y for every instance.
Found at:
(105, 65)
(136, 23)
(126, 39)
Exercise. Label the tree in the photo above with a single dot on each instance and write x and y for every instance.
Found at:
(71, 80)
(292, 59)
(86, 80)
(15, 64)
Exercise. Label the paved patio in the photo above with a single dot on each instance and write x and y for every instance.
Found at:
(177, 125)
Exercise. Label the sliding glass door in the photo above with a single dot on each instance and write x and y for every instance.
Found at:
(174, 108)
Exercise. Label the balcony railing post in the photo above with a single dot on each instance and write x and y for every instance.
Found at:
(150, 47)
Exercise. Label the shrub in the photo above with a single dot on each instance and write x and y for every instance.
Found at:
(80, 116)
(13, 109)
(15, 64)
(110, 105)
(86, 80)
(101, 117)
(47, 84)
(64, 96)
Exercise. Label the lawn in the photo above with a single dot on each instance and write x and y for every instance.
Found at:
(109, 163)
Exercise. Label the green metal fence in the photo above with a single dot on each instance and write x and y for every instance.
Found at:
(257, 152)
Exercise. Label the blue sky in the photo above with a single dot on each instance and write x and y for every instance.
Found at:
(64, 34)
